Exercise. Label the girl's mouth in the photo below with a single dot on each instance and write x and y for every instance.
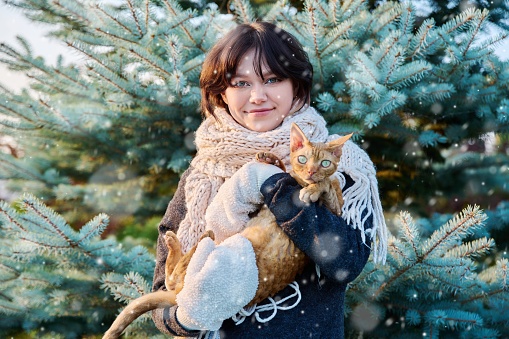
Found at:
(260, 112)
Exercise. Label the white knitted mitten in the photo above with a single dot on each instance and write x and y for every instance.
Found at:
(220, 280)
(240, 195)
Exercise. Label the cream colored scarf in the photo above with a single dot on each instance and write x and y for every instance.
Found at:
(224, 146)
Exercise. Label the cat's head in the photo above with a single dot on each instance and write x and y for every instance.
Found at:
(313, 162)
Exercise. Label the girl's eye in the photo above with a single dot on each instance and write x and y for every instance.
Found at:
(240, 84)
(302, 159)
(272, 80)
(325, 163)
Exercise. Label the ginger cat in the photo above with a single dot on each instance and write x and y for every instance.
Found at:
(278, 260)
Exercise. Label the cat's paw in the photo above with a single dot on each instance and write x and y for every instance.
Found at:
(208, 234)
(309, 194)
(171, 241)
(270, 158)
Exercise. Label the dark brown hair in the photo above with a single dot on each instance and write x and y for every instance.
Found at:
(274, 47)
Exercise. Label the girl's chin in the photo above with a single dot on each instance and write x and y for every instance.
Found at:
(262, 126)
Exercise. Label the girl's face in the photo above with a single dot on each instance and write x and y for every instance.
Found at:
(257, 104)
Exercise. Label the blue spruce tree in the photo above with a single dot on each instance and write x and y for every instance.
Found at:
(102, 143)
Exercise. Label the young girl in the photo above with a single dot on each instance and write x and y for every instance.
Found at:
(255, 83)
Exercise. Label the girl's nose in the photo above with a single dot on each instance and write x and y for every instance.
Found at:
(257, 95)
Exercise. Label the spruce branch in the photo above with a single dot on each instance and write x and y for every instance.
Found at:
(461, 21)
(340, 31)
(325, 11)
(49, 218)
(458, 23)
(112, 36)
(333, 8)
(482, 17)
(72, 11)
(15, 167)
(390, 12)
(27, 62)
(101, 9)
(463, 224)
(147, 13)
(438, 243)
(443, 318)
(85, 50)
(400, 255)
(365, 66)
(386, 48)
(473, 249)
(445, 282)
(409, 231)
(244, 11)
(493, 41)
(407, 20)
(173, 6)
(407, 74)
(313, 25)
(92, 229)
(388, 102)
(291, 22)
(418, 43)
(433, 92)
(175, 9)
(395, 63)
(149, 59)
(20, 113)
(135, 18)
(44, 85)
(484, 295)
(350, 8)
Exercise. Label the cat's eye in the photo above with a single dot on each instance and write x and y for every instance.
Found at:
(302, 159)
(325, 163)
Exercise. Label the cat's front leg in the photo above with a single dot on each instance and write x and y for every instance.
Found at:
(311, 193)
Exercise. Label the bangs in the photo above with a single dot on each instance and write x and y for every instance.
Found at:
(270, 55)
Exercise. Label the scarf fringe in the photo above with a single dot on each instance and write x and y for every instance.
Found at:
(363, 195)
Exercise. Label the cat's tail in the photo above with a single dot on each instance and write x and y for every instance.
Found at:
(145, 303)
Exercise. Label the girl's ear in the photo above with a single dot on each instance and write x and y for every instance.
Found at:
(224, 98)
(297, 138)
(296, 105)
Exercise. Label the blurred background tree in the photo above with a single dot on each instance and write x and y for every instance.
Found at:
(420, 85)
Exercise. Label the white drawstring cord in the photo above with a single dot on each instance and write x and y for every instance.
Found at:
(274, 306)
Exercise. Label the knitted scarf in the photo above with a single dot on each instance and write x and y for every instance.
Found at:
(224, 146)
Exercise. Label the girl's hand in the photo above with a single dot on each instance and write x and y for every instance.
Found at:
(220, 280)
(237, 198)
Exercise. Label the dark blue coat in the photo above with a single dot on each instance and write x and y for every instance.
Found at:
(332, 245)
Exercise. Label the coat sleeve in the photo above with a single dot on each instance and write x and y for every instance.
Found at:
(332, 244)
(165, 319)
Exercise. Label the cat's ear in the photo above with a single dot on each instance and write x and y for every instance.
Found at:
(337, 145)
(297, 138)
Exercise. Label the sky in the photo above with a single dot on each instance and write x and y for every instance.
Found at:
(13, 23)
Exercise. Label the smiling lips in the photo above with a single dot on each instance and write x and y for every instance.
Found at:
(260, 111)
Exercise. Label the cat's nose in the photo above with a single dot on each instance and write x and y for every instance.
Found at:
(311, 172)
